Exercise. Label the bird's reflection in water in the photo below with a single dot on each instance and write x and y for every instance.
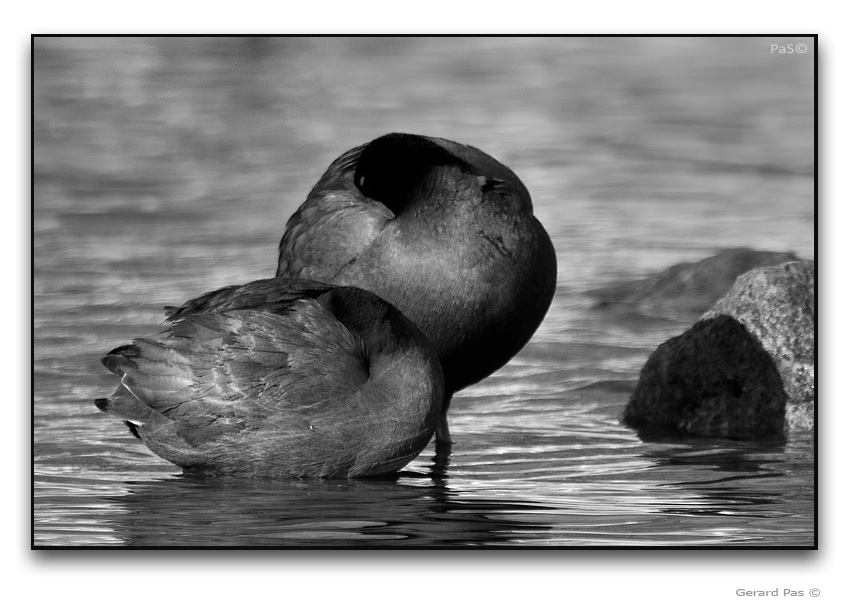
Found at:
(410, 508)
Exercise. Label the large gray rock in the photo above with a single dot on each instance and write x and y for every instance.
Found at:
(688, 288)
(746, 370)
(714, 380)
(777, 306)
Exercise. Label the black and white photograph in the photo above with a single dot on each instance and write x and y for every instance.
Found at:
(424, 291)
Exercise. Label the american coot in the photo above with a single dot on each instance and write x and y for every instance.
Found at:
(439, 229)
(281, 378)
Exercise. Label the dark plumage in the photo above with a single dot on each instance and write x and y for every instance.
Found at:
(281, 378)
(442, 231)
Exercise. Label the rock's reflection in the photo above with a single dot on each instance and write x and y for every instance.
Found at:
(723, 474)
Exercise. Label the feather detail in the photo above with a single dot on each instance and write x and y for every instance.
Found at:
(276, 378)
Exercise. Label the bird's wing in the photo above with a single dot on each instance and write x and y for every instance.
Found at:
(224, 371)
(271, 295)
(334, 227)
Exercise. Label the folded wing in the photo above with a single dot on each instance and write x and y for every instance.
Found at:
(221, 368)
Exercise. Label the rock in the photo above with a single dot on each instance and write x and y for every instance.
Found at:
(688, 288)
(714, 380)
(777, 306)
(746, 370)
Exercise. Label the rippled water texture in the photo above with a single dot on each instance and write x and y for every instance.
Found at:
(165, 168)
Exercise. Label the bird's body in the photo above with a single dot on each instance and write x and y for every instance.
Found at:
(281, 378)
(442, 231)
(307, 374)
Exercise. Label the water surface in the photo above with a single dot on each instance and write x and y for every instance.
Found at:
(165, 168)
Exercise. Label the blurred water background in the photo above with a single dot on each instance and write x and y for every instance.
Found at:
(167, 167)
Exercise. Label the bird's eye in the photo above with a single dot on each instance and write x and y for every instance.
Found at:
(360, 181)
